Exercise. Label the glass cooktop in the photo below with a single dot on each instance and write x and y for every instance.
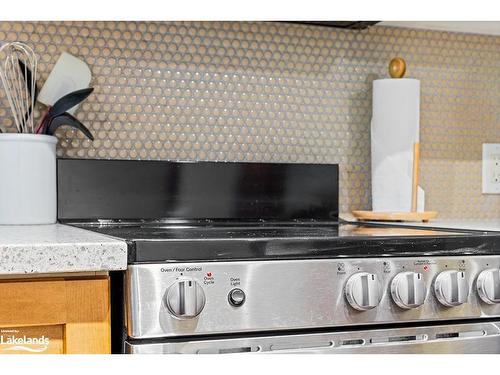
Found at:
(154, 242)
(166, 232)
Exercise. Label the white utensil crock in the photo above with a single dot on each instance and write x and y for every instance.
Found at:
(27, 179)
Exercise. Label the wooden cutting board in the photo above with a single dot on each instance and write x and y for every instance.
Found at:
(395, 216)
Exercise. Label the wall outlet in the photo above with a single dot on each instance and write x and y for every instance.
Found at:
(491, 168)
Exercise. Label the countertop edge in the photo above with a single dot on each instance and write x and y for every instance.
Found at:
(58, 248)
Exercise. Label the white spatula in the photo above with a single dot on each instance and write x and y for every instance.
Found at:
(69, 74)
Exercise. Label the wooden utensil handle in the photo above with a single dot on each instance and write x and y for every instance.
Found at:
(397, 67)
(414, 192)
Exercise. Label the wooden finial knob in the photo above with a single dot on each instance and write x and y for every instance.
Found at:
(397, 67)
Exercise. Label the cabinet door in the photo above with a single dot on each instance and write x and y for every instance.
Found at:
(55, 316)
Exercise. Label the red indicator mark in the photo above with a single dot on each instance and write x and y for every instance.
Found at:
(426, 267)
(209, 274)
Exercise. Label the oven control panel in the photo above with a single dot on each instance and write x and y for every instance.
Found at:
(178, 299)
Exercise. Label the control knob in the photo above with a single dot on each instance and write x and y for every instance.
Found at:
(408, 290)
(236, 297)
(185, 298)
(488, 286)
(451, 288)
(362, 291)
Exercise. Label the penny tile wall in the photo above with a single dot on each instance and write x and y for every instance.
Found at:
(277, 92)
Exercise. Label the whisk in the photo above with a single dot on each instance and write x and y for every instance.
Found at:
(18, 65)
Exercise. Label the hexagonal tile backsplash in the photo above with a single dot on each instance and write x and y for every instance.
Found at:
(277, 92)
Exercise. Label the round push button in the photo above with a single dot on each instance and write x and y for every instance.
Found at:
(236, 297)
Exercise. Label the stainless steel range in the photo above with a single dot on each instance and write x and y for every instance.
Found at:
(248, 257)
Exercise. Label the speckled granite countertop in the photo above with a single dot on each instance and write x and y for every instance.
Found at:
(57, 248)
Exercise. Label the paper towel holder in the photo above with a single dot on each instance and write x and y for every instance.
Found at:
(397, 69)
(413, 215)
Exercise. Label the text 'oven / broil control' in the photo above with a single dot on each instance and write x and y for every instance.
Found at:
(363, 291)
(185, 298)
(451, 288)
(408, 290)
(236, 297)
(488, 286)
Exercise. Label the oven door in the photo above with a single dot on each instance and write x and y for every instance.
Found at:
(444, 339)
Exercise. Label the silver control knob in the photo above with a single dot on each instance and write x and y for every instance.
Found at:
(236, 297)
(488, 286)
(185, 298)
(451, 288)
(363, 291)
(408, 290)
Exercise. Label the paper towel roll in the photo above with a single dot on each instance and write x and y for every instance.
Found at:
(394, 130)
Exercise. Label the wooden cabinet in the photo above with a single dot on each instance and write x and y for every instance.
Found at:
(66, 315)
